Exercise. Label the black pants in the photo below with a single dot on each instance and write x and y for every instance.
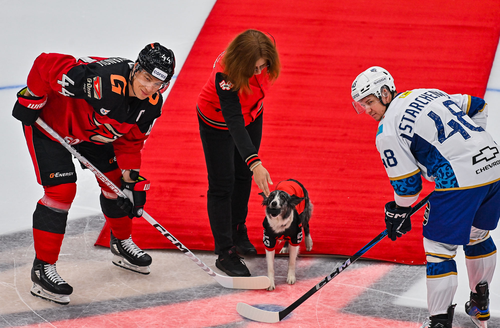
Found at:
(50, 156)
(229, 181)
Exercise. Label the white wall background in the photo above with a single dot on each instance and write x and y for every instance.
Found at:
(99, 28)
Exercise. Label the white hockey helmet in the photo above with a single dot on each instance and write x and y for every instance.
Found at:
(370, 82)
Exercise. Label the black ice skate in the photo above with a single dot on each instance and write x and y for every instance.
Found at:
(478, 305)
(129, 256)
(47, 283)
(441, 320)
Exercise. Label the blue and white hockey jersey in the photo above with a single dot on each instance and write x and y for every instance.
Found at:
(442, 137)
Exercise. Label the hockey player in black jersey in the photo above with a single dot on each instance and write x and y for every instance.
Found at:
(105, 108)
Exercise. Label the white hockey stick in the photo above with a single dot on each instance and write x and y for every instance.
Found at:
(260, 282)
(260, 315)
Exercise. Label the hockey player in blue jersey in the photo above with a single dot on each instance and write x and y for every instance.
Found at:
(426, 132)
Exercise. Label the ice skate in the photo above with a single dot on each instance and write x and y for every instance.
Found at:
(440, 320)
(479, 324)
(478, 305)
(129, 256)
(47, 283)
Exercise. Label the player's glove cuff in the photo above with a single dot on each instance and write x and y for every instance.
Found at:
(397, 220)
(136, 195)
(27, 109)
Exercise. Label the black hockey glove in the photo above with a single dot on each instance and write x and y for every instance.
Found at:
(27, 109)
(136, 193)
(397, 220)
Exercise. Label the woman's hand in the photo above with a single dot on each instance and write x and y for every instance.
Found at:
(262, 179)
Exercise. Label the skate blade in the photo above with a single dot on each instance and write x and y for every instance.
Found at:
(426, 323)
(478, 323)
(38, 291)
(123, 263)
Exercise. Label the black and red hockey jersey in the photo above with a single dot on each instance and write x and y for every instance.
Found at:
(88, 100)
(222, 107)
(292, 234)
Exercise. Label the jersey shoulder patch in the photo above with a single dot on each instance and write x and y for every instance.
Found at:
(380, 129)
(222, 82)
(225, 85)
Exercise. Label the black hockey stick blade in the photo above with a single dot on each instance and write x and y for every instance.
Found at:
(259, 282)
(256, 314)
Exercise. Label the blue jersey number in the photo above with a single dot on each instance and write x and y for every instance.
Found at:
(389, 159)
(459, 126)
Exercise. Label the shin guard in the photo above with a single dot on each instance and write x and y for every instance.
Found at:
(120, 223)
(480, 259)
(442, 284)
(49, 227)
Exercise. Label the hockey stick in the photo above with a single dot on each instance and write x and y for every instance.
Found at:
(260, 315)
(260, 282)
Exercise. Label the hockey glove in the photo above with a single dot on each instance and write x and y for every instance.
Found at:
(136, 195)
(397, 220)
(27, 109)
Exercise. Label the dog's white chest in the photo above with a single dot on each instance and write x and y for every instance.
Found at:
(279, 224)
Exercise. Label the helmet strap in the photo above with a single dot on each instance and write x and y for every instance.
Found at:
(131, 79)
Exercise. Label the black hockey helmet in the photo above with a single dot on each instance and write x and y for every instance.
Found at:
(157, 61)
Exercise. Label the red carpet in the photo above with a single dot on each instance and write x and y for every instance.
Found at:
(311, 132)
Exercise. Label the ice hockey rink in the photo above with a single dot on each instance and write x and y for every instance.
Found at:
(177, 293)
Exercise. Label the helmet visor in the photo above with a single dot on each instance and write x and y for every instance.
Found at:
(358, 107)
(164, 87)
(150, 81)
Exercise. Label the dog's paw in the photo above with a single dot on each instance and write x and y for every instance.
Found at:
(309, 243)
(290, 279)
(272, 286)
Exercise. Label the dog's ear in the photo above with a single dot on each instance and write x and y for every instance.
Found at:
(294, 200)
(264, 201)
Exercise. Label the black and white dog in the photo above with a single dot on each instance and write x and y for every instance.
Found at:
(288, 210)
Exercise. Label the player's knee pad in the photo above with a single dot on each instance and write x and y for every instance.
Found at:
(437, 252)
(59, 197)
(478, 236)
(441, 269)
(480, 248)
(115, 177)
(110, 208)
(49, 220)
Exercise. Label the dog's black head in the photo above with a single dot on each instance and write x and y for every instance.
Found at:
(279, 208)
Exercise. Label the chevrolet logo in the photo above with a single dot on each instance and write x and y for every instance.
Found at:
(485, 154)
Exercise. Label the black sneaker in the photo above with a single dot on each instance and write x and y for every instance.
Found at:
(48, 284)
(232, 264)
(241, 241)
